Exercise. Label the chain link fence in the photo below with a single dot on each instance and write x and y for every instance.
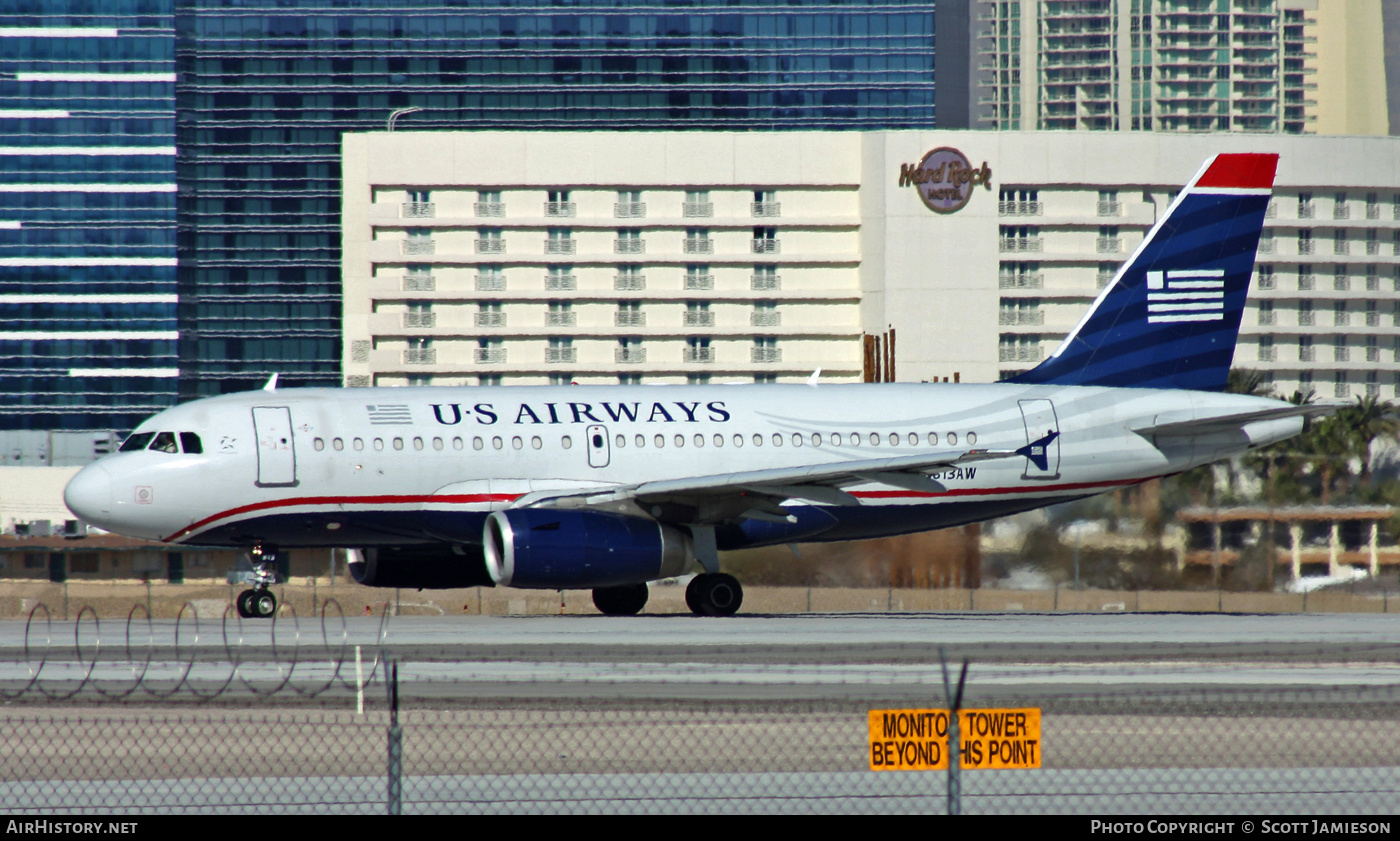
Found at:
(755, 727)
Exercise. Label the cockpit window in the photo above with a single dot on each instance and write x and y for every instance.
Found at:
(165, 443)
(190, 443)
(136, 442)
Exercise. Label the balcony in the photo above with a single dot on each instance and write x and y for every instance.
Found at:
(1306, 318)
(560, 318)
(420, 356)
(1306, 282)
(630, 355)
(489, 355)
(630, 318)
(1266, 246)
(1108, 245)
(419, 319)
(1373, 247)
(490, 318)
(1373, 211)
(1021, 245)
(697, 210)
(1019, 208)
(560, 283)
(699, 318)
(629, 246)
(1029, 280)
(490, 246)
(1110, 208)
(559, 208)
(559, 246)
(419, 283)
(699, 282)
(1341, 246)
(630, 282)
(765, 282)
(1341, 211)
(491, 209)
(419, 247)
(701, 355)
(766, 319)
(695, 245)
(490, 283)
(765, 246)
(1306, 211)
(418, 210)
(1103, 279)
(560, 355)
(1021, 317)
(1266, 353)
(766, 355)
(1020, 353)
(766, 209)
(630, 209)
(1305, 246)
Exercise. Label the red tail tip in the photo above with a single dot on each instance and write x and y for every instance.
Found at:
(1247, 171)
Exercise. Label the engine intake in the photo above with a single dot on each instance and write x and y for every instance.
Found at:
(551, 549)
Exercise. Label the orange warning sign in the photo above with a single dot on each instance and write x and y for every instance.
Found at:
(917, 740)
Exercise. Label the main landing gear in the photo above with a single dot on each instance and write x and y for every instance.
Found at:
(259, 602)
(714, 594)
(626, 600)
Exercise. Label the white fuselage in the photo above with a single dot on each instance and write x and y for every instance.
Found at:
(363, 467)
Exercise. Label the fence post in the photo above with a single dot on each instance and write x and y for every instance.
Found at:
(954, 738)
(395, 743)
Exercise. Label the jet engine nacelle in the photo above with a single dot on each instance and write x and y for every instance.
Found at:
(552, 549)
(420, 567)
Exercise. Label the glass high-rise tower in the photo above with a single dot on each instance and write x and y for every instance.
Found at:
(87, 213)
(267, 87)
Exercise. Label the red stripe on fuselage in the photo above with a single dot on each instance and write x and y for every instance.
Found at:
(466, 499)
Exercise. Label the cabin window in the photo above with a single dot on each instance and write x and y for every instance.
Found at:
(952, 438)
(777, 439)
(536, 442)
(699, 440)
(358, 444)
(816, 439)
(738, 440)
(894, 439)
(621, 441)
(379, 443)
(757, 440)
(417, 443)
(660, 441)
(337, 444)
(136, 442)
(437, 443)
(165, 443)
(478, 444)
(971, 438)
(855, 439)
(719, 440)
(933, 438)
(517, 443)
(317, 444)
(913, 439)
(456, 443)
(566, 442)
(680, 441)
(497, 443)
(640, 440)
(190, 443)
(797, 439)
(874, 439)
(398, 443)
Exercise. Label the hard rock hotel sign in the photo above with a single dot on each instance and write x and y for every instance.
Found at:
(945, 179)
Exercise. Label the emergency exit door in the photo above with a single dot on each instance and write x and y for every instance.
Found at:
(599, 452)
(277, 461)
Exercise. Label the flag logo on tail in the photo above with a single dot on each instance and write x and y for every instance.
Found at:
(1186, 295)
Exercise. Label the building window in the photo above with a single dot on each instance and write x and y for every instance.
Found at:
(560, 314)
(697, 241)
(629, 278)
(560, 241)
(629, 205)
(765, 240)
(488, 203)
(629, 241)
(765, 204)
(765, 278)
(558, 204)
(698, 277)
(560, 278)
(698, 205)
(490, 241)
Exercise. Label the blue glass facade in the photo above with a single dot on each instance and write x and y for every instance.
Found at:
(266, 87)
(87, 213)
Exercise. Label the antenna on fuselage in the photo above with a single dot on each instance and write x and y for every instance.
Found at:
(271, 383)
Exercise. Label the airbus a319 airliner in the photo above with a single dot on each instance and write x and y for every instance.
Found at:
(610, 487)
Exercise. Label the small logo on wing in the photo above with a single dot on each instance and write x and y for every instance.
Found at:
(1186, 295)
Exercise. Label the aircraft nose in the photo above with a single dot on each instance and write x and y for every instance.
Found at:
(89, 494)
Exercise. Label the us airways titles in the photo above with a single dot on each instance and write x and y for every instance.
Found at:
(451, 414)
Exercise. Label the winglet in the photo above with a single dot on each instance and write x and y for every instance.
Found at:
(812, 380)
(271, 383)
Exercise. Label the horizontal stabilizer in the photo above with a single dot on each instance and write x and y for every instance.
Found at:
(1182, 424)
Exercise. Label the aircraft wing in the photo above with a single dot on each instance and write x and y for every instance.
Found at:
(757, 493)
(1186, 425)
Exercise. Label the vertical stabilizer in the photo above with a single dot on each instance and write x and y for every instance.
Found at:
(1171, 316)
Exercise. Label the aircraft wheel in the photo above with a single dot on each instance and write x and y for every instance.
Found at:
(714, 594)
(626, 600)
(244, 603)
(262, 603)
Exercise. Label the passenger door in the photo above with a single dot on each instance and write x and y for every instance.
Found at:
(1042, 450)
(596, 438)
(277, 462)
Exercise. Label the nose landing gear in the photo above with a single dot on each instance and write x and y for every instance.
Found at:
(259, 602)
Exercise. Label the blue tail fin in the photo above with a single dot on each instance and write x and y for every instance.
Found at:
(1171, 316)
